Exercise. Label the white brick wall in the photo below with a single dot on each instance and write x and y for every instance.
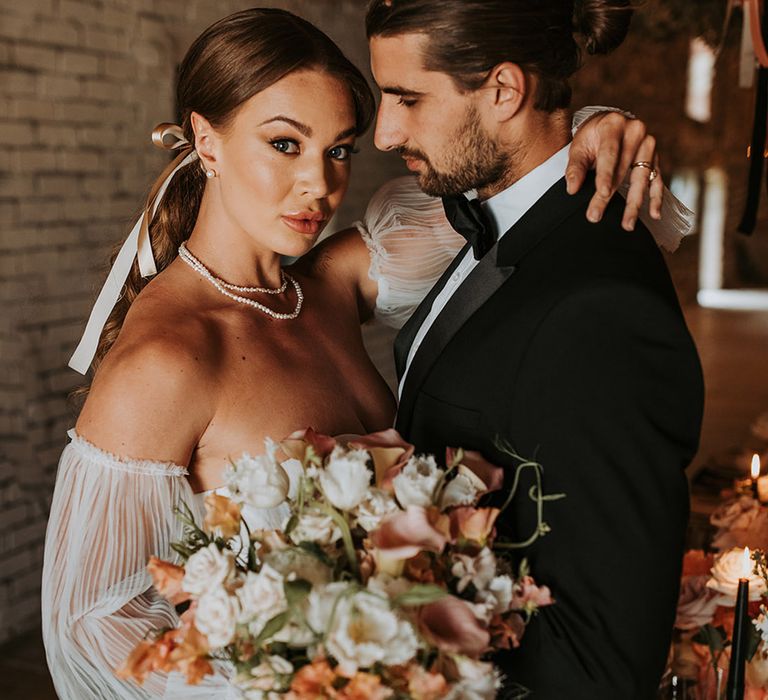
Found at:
(82, 83)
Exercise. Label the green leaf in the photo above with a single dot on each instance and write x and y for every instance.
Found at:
(714, 637)
(272, 627)
(293, 521)
(420, 594)
(296, 591)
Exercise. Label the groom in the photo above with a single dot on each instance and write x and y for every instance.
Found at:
(561, 337)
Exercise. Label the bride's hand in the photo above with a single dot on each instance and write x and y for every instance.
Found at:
(610, 142)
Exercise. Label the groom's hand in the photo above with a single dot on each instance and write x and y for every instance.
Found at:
(610, 142)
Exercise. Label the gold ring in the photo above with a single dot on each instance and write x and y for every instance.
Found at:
(648, 166)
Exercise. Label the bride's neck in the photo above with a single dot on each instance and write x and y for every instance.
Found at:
(231, 253)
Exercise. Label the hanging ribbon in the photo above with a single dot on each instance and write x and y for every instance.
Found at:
(757, 149)
(137, 245)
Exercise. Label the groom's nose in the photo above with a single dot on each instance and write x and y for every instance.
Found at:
(389, 133)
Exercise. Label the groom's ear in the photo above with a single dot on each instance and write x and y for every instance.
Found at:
(506, 88)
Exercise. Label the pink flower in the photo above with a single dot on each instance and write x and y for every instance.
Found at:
(528, 596)
(406, 533)
(389, 453)
(452, 626)
(697, 603)
(491, 475)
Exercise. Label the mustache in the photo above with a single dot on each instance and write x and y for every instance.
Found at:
(411, 153)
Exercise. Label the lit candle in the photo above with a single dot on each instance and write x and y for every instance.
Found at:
(754, 472)
(761, 481)
(735, 687)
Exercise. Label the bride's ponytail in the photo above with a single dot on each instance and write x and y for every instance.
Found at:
(603, 23)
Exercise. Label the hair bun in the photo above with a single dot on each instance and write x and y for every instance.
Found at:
(604, 23)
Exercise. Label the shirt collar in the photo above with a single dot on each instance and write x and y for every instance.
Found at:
(507, 207)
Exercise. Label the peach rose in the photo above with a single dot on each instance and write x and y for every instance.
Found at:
(167, 578)
(222, 513)
(474, 524)
(426, 685)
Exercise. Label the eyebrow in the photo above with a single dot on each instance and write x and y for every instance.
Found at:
(305, 130)
(401, 91)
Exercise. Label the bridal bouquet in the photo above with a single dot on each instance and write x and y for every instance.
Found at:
(382, 583)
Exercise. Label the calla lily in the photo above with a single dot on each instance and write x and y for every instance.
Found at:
(451, 625)
(389, 452)
(491, 475)
(295, 445)
(408, 532)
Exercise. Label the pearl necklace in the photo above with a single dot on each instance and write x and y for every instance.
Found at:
(223, 286)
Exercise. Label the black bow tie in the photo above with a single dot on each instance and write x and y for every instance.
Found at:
(468, 218)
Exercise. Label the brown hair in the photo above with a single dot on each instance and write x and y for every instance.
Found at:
(230, 62)
(467, 38)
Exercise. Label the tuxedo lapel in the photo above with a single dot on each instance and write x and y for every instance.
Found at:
(408, 332)
(489, 275)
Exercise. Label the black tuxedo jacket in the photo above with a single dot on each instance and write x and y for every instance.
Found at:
(567, 341)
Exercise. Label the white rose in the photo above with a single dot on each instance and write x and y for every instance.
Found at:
(728, 569)
(346, 478)
(366, 631)
(479, 570)
(207, 569)
(216, 617)
(261, 598)
(415, 484)
(388, 585)
(463, 489)
(376, 505)
(321, 602)
(260, 481)
(478, 680)
(295, 563)
(315, 526)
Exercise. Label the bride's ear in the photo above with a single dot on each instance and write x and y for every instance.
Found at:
(206, 141)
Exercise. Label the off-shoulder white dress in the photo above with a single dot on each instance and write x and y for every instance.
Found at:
(110, 513)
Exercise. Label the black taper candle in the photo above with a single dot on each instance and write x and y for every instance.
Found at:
(735, 688)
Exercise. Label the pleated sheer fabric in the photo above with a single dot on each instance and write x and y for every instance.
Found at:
(109, 515)
(411, 243)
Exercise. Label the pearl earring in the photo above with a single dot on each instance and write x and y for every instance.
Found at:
(210, 173)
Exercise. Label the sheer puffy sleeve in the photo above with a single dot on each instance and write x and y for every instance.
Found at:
(411, 244)
(108, 516)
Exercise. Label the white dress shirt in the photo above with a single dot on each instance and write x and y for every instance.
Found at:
(504, 210)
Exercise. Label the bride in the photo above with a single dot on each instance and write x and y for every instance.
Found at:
(223, 347)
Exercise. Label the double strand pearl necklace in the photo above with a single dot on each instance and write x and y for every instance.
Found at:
(223, 286)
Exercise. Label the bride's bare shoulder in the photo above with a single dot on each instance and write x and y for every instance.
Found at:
(154, 393)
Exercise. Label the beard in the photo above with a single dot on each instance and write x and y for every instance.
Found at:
(472, 161)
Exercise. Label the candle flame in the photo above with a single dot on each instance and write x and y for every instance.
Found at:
(755, 470)
(747, 563)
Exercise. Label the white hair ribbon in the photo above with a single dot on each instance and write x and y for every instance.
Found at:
(137, 245)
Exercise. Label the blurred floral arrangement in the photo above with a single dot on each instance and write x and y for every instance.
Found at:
(387, 579)
(708, 607)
